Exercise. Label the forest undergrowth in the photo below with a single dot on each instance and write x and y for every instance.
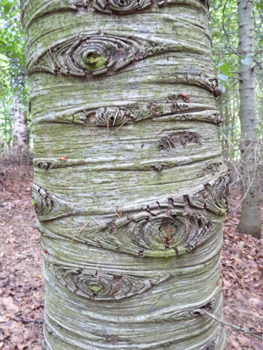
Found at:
(22, 282)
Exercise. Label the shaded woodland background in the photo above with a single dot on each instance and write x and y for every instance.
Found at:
(21, 279)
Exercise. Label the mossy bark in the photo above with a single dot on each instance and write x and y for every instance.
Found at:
(130, 188)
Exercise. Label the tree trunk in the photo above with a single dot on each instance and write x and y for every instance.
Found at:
(250, 222)
(130, 187)
(19, 152)
(226, 129)
(225, 135)
(20, 129)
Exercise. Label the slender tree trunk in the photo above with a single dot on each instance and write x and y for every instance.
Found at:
(226, 118)
(130, 187)
(234, 121)
(221, 137)
(20, 129)
(20, 134)
(224, 111)
(250, 222)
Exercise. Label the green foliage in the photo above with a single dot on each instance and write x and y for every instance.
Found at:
(224, 73)
(224, 32)
(7, 4)
(13, 81)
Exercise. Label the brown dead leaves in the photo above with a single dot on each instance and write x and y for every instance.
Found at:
(21, 291)
(242, 270)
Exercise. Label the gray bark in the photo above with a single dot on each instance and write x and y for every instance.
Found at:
(250, 222)
(130, 187)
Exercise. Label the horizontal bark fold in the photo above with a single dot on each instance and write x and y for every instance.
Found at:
(31, 12)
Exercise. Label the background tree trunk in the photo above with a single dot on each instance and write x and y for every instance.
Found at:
(130, 187)
(225, 134)
(250, 222)
(20, 133)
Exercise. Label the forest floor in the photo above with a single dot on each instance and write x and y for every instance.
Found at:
(22, 284)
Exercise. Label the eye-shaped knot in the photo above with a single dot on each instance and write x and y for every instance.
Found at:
(99, 54)
(107, 286)
(110, 116)
(89, 54)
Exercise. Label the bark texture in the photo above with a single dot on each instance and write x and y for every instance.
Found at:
(130, 188)
(250, 222)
